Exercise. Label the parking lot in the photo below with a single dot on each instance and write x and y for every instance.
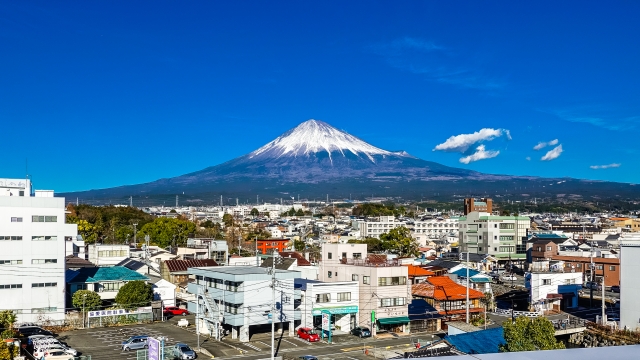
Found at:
(104, 343)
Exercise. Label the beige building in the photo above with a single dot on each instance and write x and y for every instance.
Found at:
(385, 291)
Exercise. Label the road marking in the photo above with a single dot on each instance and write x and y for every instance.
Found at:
(264, 344)
(252, 346)
(357, 348)
(290, 342)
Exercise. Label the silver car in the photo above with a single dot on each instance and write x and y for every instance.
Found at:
(135, 343)
(183, 352)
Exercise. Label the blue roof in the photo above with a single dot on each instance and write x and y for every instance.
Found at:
(549, 236)
(301, 284)
(478, 342)
(463, 272)
(99, 274)
(419, 309)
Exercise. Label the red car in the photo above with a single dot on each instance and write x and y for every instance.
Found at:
(174, 310)
(308, 334)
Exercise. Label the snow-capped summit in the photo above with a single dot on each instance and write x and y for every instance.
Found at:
(314, 136)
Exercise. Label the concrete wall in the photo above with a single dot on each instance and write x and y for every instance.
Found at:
(630, 287)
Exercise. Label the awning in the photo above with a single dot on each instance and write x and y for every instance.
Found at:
(394, 320)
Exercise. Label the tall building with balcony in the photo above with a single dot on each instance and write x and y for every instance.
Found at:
(503, 237)
(385, 290)
(33, 234)
(239, 298)
(375, 227)
(484, 205)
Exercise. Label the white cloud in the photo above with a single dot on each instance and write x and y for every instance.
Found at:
(596, 167)
(543, 144)
(552, 154)
(528, 158)
(480, 154)
(461, 143)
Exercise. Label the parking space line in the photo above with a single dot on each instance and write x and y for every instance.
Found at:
(290, 342)
(252, 346)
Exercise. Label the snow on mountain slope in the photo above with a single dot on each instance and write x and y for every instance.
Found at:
(313, 136)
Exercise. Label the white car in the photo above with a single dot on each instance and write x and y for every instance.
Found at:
(53, 354)
(508, 277)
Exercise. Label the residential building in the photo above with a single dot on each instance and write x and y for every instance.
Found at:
(165, 292)
(239, 298)
(75, 246)
(448, 297)
(503, 237)
(543, 250)
(417, 274)
(551, 288)
(436, 228)
(384, 286)
(424, 317)
(106, 281)
(107, 254)
(339, 299)
(609, 268)
(630, 288)
(33, 233)
(205, 248)
(484, 205)
(266, 246)
(175, 271)
(627, 224)
(375, 227)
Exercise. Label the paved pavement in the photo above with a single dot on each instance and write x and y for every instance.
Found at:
(104, 343)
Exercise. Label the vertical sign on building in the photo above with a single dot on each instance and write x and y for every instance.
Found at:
(154, 349)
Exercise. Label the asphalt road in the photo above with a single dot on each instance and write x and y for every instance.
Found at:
(104, 343)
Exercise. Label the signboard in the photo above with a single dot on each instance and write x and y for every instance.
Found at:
(325, 321)
(336, 310)
(117, 312)
(154, 349)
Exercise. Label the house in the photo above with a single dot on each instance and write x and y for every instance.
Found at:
(543, 250)
(478, 342)
(165, 292)
(151, 269)
(417, 274)
(74, 263)
(33, 234)
(609, 268)
(448, 297)
(338, 299)
(239, 298)
(106, 281)
(175, 271)
(551, 288)
(107, 254)
(205, 248)
(423, 316)
(384, 286)
(291, 260)
(477, 280)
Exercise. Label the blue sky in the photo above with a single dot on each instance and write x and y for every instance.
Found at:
(100, 94)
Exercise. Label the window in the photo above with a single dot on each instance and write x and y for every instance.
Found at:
(16, 219)
(329, 256)
(113, 286)
(44, 238)
(495, 237)
(233, 285)
(10, 262)
(10, 286)
(546, 281)
(386, 302)
(354, 277)
(41, 218)
(112, 253)
(390, 281)
(328, 273)
(480, 249)
(539, 249)
(578, 265)
(323, 298)
(506, 238)
(45, 309)
(344, 255)
(345, 296)
(495, 225)
(599, 267)
(231, 308)
(35, 285)
(366, 280)
(11, 238)
(357, 255)
(44, 261)
(612, 268)
(548, 248)
(569, 281)
(480, 237)
(81, 287)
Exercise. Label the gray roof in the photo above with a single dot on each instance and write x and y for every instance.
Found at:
(242, 273)
(281, 263)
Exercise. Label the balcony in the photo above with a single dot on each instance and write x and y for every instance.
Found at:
(371, 263)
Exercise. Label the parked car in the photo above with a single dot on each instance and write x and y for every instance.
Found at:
(592, 285)
(33, 330)
(308, 334)
(174, 310)
(615, 289)
(307, 357)
(361, 332)
(57, 355)
(183, 351)
(135, 343)
(508, 277)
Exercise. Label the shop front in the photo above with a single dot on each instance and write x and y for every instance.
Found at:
(341, 318)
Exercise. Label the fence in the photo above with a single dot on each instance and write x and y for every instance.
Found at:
(507, 312)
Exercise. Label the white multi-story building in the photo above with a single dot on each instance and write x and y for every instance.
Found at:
(499, 236)
(376, 227)
(629, 287)
(107, 254)
(33, 234)
(436, 228)
(385, 291)
(339, 299)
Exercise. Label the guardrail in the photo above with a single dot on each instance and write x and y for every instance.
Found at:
(517, 313)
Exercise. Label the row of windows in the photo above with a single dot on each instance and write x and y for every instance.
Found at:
(44, 238)
(391, 281)
(344, 255)
(437, 225)
(232, 286)
(365, 279)
(12, 238)
(44, 261)
(16, 219)
(10, 286)
(43, 218)
(386, 302)
(325, 298)
(10, 262)
(35, 285)
(112, 253)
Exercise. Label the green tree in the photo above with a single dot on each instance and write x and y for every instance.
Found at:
(299, 212)
(527, 334)
(373, 244)
(7, 318)
(254, 212)
(134, 294)
(399, 241)
(87, 298)
(166, 231)
(291, 212)
(227, 219)
(299, 245)
(124, 233)
(8, 350)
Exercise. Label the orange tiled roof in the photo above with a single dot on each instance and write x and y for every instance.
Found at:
(619, 219)
(418, 271)
(443, 288)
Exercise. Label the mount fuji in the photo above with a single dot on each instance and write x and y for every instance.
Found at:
(315, 159)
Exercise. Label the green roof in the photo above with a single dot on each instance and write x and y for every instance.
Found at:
(103, 274)
(394, 320)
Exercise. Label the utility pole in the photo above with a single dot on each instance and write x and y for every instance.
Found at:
(604, 304)
(198, 316)
(467, 302)
(135, 232)
(84, 297)
(273, 302)
(591, 270)
(176, 201)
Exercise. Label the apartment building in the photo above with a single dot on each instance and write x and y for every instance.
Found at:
(339, 299)
(436, 228)
(107, 254)
(33, 234)
(376, 226)
(503, 237)
(239, 298)
(607, 268)
(205, 248)
(383, 284)
(484, 205)
(553, 287)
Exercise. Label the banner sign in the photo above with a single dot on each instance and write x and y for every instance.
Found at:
(336, 310)
(117, 312)
(154, 349)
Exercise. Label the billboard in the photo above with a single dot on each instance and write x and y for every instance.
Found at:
(154, 349)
